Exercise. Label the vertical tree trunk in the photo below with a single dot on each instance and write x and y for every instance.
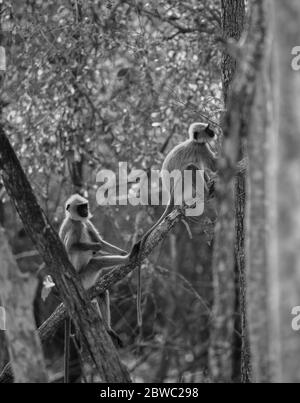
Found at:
(233, 21)
(242, 370)
(75, 157)
(287, 202)
(233, 24)
(240, 102)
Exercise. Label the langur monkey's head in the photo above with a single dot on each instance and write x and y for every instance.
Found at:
(201, 133)
(77, 207)
(204, 135)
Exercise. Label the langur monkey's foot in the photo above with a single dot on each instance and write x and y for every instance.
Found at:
(136, 250)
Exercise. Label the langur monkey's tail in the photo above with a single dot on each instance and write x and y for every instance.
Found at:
(102, 305)
(141, 245)
(67, 350)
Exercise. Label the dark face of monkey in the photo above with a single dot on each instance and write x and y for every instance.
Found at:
(203, 135)
(83, 210)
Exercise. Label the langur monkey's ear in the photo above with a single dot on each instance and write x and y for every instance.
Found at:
(68, 207)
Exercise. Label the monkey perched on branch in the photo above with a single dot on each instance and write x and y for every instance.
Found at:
(83, 245)
(83, 242)
(196, 153)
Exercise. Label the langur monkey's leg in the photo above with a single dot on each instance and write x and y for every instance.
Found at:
(102, 305)
(89, 276)
(95, 267)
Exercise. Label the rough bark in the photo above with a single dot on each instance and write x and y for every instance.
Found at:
(233, 22)
(87, 321)
(24, 344)
(233, 25)
(286, 254)
(75, 157)
(242, 370)
(235, 124)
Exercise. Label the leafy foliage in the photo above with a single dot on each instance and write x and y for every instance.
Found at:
(98, 82)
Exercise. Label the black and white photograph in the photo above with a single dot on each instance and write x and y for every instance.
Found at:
(149, 194)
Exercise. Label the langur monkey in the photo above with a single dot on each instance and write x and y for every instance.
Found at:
(83, 244)
(196, 153)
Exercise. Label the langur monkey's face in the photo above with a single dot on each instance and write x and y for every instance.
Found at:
(78, 208)
(83, 210)
(203, 135)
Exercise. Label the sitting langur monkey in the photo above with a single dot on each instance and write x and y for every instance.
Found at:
(196, 153)
(83, 244)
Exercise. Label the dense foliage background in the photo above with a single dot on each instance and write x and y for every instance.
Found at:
(94, 83)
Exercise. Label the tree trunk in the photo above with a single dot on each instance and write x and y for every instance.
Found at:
(233, 24)
(242, 361)
(233, 20)
(240, 102)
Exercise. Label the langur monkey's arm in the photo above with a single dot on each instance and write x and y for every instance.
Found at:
(104, 244)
